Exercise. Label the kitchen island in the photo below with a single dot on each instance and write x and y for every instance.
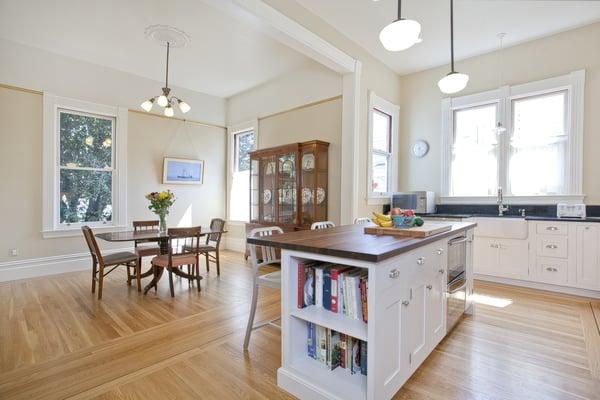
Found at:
(408, 300)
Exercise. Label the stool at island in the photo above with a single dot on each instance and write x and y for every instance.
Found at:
(359, 312)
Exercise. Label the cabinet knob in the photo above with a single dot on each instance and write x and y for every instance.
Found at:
(551, 246)
(405, 303)
(421, 260)
(429, 287)
(551, 228)
(394, 274)
(551, 269)
(440, 251)
(441, 270)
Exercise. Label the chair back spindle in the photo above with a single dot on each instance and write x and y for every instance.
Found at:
(92, 244)
(269, 254)
(322, 225)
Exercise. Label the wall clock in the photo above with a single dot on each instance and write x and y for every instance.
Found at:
(419, 148)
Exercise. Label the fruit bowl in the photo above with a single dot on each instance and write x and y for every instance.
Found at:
(401, 221)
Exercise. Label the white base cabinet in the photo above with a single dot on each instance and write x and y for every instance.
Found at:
(407, 319)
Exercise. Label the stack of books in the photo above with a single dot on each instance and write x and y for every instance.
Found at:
(335, 349)
(337, 288)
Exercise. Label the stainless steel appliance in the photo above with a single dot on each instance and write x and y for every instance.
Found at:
(421, 202)
(564, 210)
(456, 292)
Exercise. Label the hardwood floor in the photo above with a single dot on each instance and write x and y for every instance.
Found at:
(57, 342)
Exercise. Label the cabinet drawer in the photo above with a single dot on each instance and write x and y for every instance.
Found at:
(552, 246)
(552, 228)
(552, 270)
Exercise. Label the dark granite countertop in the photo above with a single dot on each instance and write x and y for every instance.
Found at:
(350, 241)
(588, 219)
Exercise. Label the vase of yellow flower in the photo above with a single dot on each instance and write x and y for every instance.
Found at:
(160, 202)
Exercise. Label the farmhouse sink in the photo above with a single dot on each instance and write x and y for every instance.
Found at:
(508, 228)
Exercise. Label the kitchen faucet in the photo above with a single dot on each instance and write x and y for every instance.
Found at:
(501, 207)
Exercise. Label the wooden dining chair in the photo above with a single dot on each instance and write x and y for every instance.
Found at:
(184, 248)
(100, 262)
(362, 220)
(269, 256)
(213, 241)
(142, 248)
(322, 225)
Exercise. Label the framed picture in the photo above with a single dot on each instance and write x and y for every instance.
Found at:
(182, 171)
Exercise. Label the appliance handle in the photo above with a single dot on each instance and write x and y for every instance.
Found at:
(453, 242)
(462, 287)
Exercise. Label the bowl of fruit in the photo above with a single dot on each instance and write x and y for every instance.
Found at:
(398, 218)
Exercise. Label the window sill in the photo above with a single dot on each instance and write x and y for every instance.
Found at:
(549, 200)
(75, 232)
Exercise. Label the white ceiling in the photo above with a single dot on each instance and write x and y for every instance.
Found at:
(226, 55)
(476, 22)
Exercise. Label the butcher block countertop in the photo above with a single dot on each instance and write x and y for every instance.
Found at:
(350, 241)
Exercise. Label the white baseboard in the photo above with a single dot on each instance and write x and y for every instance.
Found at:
(35, 267)
(541, 286)
(235, 244)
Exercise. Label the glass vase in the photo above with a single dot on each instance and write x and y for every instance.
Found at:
(162, 223)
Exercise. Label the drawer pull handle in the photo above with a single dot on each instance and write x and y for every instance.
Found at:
(441, 270)
(440, 251)
(551, 269)
(421, 260)
(551, 228)
(551, 246)
(405, 303)
(429, 287)
(394, 274)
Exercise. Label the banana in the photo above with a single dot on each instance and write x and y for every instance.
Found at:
(385, 224)
(382, 217)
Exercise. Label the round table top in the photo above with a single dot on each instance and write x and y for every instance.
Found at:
(130, 236)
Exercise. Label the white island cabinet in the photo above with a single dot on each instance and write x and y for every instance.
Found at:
(407, 280)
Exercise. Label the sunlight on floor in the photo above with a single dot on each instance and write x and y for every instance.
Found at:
(491, 301)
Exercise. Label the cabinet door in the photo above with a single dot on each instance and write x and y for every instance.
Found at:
(392, 365)
(436, 309)
(513, 259)
(485, 258)
(588, 260)
(415, 318)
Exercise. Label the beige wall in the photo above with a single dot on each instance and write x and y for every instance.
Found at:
(544, 58)
(150, 139)
(375, 76)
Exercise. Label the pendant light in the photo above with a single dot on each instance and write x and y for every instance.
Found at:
(164, 100)
(499, 127)
(454, 82)
(400, 34)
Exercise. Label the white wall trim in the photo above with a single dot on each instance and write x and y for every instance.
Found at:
(36, 267)
(540, 286)
(235, 244)
(50, 205)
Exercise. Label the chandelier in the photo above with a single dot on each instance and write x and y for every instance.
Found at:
(165, 99)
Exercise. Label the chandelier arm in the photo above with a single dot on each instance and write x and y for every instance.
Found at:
(451, 36)
(399, 10)
(167, 70)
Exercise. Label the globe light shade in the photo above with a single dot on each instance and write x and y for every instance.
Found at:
(169, 111)
(162, 100)
(400, 35)
(147, 105)
(183, 106)
(454, 82)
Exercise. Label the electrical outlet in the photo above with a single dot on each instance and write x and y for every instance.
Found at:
(13, 252)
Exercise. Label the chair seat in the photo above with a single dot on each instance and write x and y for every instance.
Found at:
(272, 280)
(123, 257)
(201, 248)
(182, 259)
(145, 251)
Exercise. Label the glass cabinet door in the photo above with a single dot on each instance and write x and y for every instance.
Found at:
(255, 200)
(268, 190)
(321, 189)
(287, 188)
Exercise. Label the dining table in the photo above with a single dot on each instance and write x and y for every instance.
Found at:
(162, 238)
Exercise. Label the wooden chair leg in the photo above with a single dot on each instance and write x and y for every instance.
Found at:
(100, 281)
(138, 273)
(218, 264)
(128, 275)
(197, 269)
(207, 262)
(94, 272)
(171, 282)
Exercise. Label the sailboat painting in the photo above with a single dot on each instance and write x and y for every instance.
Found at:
(183, 171)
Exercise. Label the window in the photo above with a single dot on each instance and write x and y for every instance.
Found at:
(538, 155)
(84, 166)
(242, 142)
(383, 123)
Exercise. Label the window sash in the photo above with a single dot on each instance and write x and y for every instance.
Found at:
(236, 144)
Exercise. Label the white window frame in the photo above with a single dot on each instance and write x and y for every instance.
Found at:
(51, 227)
(251, 125)
(574, 84)
(393, 110)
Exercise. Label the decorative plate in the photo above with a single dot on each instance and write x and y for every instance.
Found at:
(270, 168)
(287, 166)
(308, 162)
(420, 148)
(306, 195)
(320, 195)
(266, 196)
